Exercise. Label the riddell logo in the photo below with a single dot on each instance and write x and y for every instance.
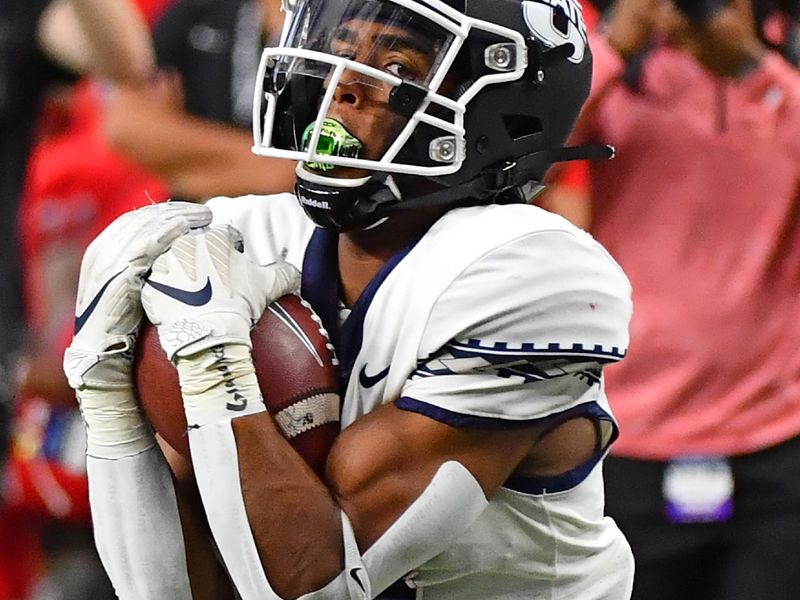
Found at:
(313, 203)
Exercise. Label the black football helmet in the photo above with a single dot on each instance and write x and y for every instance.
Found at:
(501, 88)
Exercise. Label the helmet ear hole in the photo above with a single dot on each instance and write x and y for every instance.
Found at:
(519, 127)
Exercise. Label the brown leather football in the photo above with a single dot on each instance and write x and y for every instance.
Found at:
(296, 369)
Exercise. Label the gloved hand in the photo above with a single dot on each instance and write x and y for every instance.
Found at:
(98, 363)
(204, 296)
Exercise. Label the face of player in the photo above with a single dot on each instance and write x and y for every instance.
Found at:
(361, 103)
(338, 85)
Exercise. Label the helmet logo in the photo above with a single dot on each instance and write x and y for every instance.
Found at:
(557, 22)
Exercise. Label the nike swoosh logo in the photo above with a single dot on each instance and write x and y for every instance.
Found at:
(354, 575)
(80, 320)
(369, 381)
(196, 298)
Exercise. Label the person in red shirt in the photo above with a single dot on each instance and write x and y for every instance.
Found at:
(75, 187)
(700, 207)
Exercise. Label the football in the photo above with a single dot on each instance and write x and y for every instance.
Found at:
(296, 369)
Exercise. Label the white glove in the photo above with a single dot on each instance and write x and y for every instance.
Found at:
(204, 296)
(98, 363)
(204, 291)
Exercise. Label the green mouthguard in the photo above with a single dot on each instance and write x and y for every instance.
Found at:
(334, 140)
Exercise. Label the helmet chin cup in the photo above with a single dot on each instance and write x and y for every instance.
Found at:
(345, 204)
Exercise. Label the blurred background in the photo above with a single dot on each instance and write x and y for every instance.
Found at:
(108, 105)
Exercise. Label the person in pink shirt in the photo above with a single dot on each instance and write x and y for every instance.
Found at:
(701, 207)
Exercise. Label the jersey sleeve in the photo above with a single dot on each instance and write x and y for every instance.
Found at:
(522, 335)
(273, 227)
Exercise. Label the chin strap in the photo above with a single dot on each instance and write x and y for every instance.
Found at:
(361, 207)
(492, 183)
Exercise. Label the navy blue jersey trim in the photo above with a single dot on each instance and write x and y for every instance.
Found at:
(526, 485)
(527, 368)
(568, 480)
(460, 420)
(320, 287)
(549, 350)
(319, 284)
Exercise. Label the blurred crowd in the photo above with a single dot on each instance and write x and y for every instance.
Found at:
(108, 105)
(105, 106)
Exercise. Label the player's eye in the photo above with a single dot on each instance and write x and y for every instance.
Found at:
(344, 53)
(399, 69)
(342, 48)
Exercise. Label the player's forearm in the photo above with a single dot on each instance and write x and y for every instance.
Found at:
(306, 545)
(207, 576)
(300, 516)
(131, 494)
(275, 524)
(252, 482)
(106, 37)
(136, 526)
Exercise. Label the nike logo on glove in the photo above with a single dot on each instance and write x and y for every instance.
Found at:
(369, 381)
(196, 298)
(80, 320)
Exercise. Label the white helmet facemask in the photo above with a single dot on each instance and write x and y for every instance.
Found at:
(397, 53)
(457, 102)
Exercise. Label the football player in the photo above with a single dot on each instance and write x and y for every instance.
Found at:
(472, 328)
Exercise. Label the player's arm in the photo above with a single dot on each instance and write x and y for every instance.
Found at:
(198, 158)
(106, 37)
(390, 468)
(208, 579)
(395, 477)
(143, 551)
(281, 531)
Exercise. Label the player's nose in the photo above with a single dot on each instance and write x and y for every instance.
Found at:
(349, 91)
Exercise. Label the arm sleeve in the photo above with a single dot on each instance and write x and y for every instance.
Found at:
(526, 347)
(137, 528)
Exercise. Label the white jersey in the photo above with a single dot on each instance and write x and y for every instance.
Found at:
(498, 317)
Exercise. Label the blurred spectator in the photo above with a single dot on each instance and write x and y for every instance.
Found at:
(46, 552)
(42, 43)
(779, 26)
(568, 185)
(702, 209)
(192, 123)
(74, 188)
